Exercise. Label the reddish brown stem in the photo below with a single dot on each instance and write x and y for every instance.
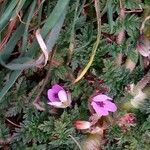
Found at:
(121, 34)
(11, 26)
(6, 141)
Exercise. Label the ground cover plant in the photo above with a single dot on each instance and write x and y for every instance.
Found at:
(74, 74)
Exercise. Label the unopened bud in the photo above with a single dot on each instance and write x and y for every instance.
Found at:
(82, 125)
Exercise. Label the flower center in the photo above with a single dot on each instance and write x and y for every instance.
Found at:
(101, 104)
(56, 95)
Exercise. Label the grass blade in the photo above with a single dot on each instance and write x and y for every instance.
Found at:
(7, 14)
(13, 77)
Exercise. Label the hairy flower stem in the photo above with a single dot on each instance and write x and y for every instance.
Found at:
(121, 34)
(37, 99)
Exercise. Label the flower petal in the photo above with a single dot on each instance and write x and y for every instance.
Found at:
(57, 104)
(56, 88)
(62, 96)
(101, 97)
(101, 111)
(51, 95)
(110, 106)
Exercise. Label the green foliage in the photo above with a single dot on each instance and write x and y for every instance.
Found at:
(82, 52)
(119, 77)
(132, 23)
(39, 128)
(133, 4)
(128, 140)
(4, 131)
(145, 107)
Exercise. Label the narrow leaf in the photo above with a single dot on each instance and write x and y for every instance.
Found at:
(13, 77)
(7, 14)
(95, 46)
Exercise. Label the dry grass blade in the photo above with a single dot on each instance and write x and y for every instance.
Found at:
(95, 46)
(11, 26)
(42, 60)
(143, 24)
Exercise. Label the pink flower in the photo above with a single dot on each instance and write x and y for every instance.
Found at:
(58, 97)
(102, 105)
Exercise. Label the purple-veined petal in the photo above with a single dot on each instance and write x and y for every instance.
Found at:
(62, 96)
(56, 88)
(51, 95)
(101, 111)
(101, 97)
(110, 106)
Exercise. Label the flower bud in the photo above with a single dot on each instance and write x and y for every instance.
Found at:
(82, 125)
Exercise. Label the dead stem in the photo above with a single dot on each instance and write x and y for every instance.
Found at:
(13, 123)
(11, 26)
(143, 24)
(19, 16)
(121, 34)
(135, 10)
(40, 3)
